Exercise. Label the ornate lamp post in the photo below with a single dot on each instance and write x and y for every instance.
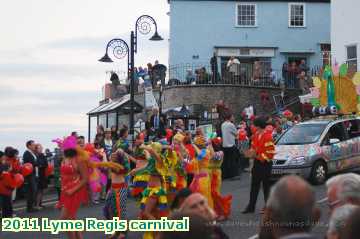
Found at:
(120, 49)
(143, 24)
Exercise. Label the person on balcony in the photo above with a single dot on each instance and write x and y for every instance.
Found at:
(304, 83)
(190, 77)
(303, 67)
(273, 77)
(256, 72)
(233, 67)
(293, 73)
(214, 69)
(285, 74)
(204, 77)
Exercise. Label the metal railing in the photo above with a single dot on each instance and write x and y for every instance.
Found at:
(245, 74)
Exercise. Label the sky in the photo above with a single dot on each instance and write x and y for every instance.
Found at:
(50, 76)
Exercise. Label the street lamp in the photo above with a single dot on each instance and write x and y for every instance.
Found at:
(143, 24)
(120, 49)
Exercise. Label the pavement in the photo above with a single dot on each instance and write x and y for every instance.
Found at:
(238, 226)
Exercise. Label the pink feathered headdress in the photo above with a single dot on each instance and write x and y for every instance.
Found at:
(68, 143)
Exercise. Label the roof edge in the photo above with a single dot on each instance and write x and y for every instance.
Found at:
(309, 1)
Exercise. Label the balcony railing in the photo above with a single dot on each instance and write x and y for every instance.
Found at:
(260, 75)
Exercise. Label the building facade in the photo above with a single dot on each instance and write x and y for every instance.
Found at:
(270, 32)
(345, 39)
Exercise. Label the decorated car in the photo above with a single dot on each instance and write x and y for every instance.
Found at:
(319, 147)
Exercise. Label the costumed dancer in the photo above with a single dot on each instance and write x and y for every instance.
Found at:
(170, 160)
(97, 177)
(201, 182)
(140, 181)
(154, 203)
(262, 151)
(243, 145)
(222, 204)
(182, 158)
(74, 179)
(190, 150)
(124, 144)
(115, 204)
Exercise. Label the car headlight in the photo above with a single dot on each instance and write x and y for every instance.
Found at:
(297, 161)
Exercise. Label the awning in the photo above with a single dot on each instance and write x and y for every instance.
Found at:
(174, 109)
(115, 105)
(298, 51)
(245, 51)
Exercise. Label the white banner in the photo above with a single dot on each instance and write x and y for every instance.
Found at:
(150, 101)
(246, 52)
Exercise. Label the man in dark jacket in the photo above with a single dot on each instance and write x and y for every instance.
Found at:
(157, 121)
(30, 181)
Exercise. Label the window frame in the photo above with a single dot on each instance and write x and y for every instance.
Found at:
(324, 140)
(304, 14)
(237, 14)
(352, 59)
(357, 122)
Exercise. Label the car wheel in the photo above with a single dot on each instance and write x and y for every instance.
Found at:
(318, 173)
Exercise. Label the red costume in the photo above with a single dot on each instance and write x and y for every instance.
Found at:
(70, 177)
(7, 183)
(264, 146)
(7, 180)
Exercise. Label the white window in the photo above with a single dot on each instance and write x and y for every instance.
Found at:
(325, 53)
(351, 58)
(297, 15)
(246, 15)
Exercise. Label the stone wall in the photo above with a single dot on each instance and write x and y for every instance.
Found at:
(236, 97)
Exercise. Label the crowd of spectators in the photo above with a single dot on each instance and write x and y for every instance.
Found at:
(291, 211)
(293, 75)
(296, 76)
(34, 183)
(149, 76)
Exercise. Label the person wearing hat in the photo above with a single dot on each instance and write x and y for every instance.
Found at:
(262, 151)
(108, 142)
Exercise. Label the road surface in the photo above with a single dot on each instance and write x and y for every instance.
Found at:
(238, 226)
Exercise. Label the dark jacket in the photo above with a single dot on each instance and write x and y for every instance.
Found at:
(42, 164)
(161, 122)
(29, 158)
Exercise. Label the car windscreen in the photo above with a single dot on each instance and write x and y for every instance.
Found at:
(302, 134)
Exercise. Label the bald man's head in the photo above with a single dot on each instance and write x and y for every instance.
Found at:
(196, 203)
(292, 205)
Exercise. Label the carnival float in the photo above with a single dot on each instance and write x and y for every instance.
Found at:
(334, 91)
